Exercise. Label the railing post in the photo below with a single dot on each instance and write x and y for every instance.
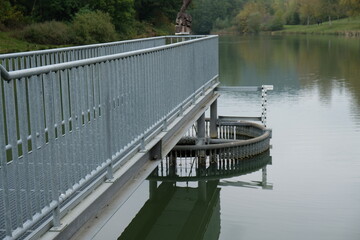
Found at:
(213, 120)
(109, 173)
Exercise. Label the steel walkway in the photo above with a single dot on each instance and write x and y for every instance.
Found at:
(72, 119)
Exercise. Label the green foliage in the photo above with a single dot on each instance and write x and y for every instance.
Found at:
(268, 15)
(251, 17)
(149, 10)
(222, 24)
(93, 27)
(10, 16)
(60, 10)
(81, 21)
(352, 7)
(121, 11)
(274, 23)
(206, 12)
(87, 27)
(51, 32)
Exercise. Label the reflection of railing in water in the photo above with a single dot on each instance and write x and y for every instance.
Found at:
(179, 167)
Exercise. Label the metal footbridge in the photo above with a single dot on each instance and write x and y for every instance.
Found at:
(78, 125)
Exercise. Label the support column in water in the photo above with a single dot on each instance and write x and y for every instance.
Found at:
(213, 120)
(201, 138)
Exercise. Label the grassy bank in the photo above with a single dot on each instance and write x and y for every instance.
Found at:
(9, 44)
(348, 26)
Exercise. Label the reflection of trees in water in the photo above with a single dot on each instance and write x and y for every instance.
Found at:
(322, 62)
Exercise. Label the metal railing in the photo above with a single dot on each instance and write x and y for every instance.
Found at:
(23, 60)
(65, 125)
(236, 140)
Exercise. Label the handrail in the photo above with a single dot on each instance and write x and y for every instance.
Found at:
(7, 76)
(54, 50)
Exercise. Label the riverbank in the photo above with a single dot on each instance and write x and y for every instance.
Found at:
(348, 27)
(11, 41)
(10, 44)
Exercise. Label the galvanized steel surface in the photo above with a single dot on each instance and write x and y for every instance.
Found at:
(63, 124)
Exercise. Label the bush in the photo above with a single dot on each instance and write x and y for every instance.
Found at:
(10, 17)
(52, 32)
(273, 23)
(93, 27)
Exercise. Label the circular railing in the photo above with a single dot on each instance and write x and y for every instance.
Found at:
(236, 140)
(241, 148)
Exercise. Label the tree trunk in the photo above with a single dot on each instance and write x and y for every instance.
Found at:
(330, 23)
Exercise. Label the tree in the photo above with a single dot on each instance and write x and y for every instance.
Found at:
(122, 13)
(10, 15)
(60, 10)
(205, 13)
(352, 7)
(153, 10)
(306, 10)
(291, 14)
(329, 9)
(250, 17)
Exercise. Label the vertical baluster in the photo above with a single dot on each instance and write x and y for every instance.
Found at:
(23, 133)
(72, 148)
(98, 120)
(102, 102)
(73, 84)
(112, 97)
(82, 90)
(145, 91)
(117, 112)
(58, 130)
(128, 100)
(52, 153)
(4, 167)
(121, 125)
(9, 89)
(106, 95)
(80, 122)
(137, 81)
(90, 117)
(65, 129)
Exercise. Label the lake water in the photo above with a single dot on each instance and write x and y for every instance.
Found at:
(312, 188)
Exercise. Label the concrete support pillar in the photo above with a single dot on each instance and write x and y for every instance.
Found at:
(172, 165)
(152, 189)
(201, 129)
(213, 120)
(201, 138)
(202, 186)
